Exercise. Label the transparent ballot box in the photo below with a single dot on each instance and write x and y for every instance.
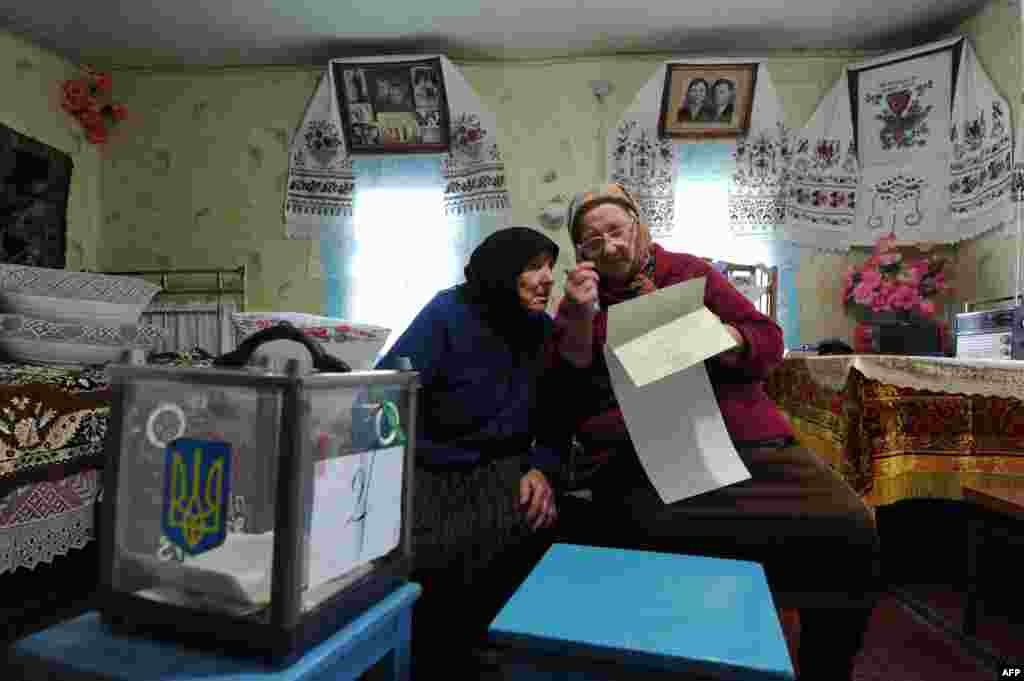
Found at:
(254, 510)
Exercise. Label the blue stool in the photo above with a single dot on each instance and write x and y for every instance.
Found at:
(83, 648)
(596, 613)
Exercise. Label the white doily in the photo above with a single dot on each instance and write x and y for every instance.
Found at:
(41, 540)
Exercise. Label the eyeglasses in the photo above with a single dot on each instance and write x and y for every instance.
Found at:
(594, 246)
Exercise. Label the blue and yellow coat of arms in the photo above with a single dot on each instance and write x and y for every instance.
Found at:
(197, 493)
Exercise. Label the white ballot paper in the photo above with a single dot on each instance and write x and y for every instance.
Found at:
(656, 347)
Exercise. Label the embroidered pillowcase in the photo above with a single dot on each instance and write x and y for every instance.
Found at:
(356, 344)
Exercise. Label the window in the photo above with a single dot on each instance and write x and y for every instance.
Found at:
(400, 248)
(703, 176)
(702, 201)
(403, 256)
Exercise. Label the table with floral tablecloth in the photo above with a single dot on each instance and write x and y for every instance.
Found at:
(900, 427)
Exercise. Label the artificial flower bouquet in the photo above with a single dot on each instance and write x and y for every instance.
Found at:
(887, 281)
(88, 99)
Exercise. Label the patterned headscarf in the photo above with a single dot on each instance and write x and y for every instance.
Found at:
(641, 274)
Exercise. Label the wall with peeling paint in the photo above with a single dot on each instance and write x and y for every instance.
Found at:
(30, 80)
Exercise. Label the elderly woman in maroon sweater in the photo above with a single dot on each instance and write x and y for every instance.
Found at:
(814, 535)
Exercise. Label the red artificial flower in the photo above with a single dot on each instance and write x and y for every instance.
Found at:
(76, 95)
(89, 118)
(96, 135)
(102, 82)
(118, 112)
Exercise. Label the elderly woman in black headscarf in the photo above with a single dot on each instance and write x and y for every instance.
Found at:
(482, 498)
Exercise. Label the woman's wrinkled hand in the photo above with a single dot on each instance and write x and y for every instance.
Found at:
(538, 498)
(581, 289)
(733, 355)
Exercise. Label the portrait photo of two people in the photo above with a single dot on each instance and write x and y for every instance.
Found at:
(707, 100)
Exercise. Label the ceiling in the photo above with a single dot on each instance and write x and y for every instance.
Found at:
(177, 33)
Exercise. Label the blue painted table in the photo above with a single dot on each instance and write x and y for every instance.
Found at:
(83, 648)
(596, 613)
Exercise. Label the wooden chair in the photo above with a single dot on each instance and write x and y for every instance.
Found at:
(758, 282)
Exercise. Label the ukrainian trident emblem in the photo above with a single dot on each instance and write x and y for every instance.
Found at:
(197, 490)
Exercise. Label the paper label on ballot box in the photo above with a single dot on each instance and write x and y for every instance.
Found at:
(357, 512)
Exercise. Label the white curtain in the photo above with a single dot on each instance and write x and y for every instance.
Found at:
(400, 248)
(704, 175)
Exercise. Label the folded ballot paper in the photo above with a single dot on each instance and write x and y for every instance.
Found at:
(656, 347)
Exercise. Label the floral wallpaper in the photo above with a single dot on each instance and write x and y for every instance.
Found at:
(195, 177)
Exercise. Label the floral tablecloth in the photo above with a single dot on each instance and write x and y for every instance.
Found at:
(907, 427)
(53, 421)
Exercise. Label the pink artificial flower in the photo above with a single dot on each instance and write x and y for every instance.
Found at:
(872, 278)
(927, 307)
(863, 293)
(888, 259)
(885, 244)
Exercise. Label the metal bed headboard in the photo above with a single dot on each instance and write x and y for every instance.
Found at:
(240, 289)
(187, 324)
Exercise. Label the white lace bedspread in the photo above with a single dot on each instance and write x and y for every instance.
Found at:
(42, 520)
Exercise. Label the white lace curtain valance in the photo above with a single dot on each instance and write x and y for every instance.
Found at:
(646, 164)
(920, 154)
(322, 184)
(935, 159)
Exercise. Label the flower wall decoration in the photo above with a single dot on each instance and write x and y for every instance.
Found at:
(467, 130)
(88, 99)
(887, 281)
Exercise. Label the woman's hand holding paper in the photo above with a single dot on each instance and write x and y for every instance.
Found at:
(733, 355)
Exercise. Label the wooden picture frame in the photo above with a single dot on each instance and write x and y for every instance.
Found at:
(723, 104)
(393, 107)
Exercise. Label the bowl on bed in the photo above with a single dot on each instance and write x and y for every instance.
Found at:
(65, 296)
(41, 341)
(53, 316)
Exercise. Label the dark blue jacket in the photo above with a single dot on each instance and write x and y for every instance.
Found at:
(478, 397)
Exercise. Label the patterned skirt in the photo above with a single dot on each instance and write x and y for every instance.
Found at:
(466, 518)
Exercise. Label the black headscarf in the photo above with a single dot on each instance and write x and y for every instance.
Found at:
(492, 284)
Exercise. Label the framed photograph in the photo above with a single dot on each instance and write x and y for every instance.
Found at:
(393, 107)
(707, 100)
